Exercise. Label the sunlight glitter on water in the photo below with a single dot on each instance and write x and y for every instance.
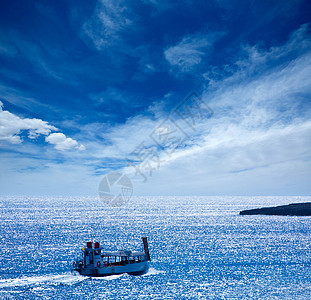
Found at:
(200, 248)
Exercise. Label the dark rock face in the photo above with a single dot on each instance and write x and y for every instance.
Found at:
(296, 209)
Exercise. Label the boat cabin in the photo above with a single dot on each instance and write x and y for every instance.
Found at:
(96, 256)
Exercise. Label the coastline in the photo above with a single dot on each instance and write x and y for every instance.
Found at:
(293, 209)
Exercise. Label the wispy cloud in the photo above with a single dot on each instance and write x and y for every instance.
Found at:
(261, 123)
(237, 161)
(254, 104)
(37, 56)
(164, 5)
(110, 18)
(111, 95)
(254, 60)
(190, 50)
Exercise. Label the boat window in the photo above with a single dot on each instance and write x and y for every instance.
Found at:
(131, 259)
(112, 259)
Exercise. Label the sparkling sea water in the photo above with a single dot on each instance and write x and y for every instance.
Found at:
(201, 248)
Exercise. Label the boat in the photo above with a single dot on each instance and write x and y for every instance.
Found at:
(97, 262)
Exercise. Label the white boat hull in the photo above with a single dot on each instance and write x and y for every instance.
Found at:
(133, 269)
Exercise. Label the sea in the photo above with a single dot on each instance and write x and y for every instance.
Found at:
(200, 247)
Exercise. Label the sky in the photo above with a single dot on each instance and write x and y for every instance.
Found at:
(182, 97)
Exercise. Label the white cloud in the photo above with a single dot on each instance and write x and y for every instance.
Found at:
(12, 126)
(62, 143)
(189, 51)
(81, 148)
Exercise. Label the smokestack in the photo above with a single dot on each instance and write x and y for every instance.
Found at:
(146, 248)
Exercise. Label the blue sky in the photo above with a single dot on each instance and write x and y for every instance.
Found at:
(85, 85)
